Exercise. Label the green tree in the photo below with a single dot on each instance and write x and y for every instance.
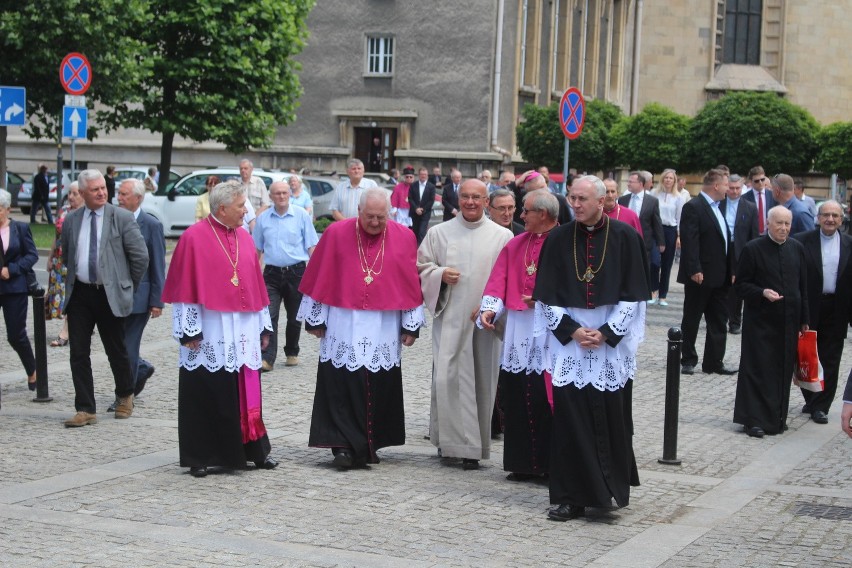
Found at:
(835, 150)
(745, 129)
(36, 35)
(654, 139)
(541, 141)
(218, 70)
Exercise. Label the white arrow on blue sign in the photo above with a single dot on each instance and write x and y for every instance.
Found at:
(13, 104)
(74, 122)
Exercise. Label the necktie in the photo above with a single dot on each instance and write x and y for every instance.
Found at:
(634, 203)
(93, 248)
(760, 226)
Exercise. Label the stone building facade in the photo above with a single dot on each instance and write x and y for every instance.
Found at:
(442, 82)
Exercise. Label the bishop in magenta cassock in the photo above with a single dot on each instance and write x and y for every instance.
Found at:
(591, 293)
(524, 389)
(361, 296)
(221, 319)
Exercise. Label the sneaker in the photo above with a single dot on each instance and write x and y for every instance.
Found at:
(652, 301)
(265, 367)
(125, 407)
(292, 361)
(663, 303)
(81, 419)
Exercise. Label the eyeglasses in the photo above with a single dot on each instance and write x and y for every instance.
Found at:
(759, 180)
(525, 210)
(474, 198)
(505, 208)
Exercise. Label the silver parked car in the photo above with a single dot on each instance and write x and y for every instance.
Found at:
(25, 193)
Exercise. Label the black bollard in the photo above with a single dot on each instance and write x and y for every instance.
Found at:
(672, 398)
(40, 337)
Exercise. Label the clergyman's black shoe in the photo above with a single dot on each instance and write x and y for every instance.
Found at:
(806, 409)
(566, 512)
(819, 417)
(268, 463)
(342, 458)
(687, 370)
(734, 330)
(198, 471)
(723, 370)
(469, 464)
(754, 431)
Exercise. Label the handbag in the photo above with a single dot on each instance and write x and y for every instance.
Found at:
(809, 375)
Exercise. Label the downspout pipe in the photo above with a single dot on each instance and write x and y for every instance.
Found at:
(637, 43)
(498, 64)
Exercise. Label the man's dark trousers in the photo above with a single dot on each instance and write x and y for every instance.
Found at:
(134, 326)
(830, 340)
(711, 302)
(282, 285)
(88, 307)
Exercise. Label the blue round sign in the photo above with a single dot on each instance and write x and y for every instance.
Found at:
(572, 113)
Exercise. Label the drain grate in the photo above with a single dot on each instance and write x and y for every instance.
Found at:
(830, 512)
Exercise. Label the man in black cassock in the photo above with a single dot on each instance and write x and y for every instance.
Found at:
(592, 289)
(772, 282)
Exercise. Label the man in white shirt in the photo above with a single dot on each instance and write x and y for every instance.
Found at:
(258, 194)
(344, 204)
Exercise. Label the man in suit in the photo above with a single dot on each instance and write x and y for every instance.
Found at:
(705, 272)
(647, 208)
(146, 301)
(41, 195)
(450, 197)
(829, 277)
(435, 177)
(760, 195)
(782, 191)
(421, 197)
(106, 258)
(741, 218)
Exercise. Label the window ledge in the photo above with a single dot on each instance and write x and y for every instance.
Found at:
(731, 77)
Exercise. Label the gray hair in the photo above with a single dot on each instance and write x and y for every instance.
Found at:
(246, 161)
(374, 193)
(783, 182)
(829, 202)
(545, 201)
(5, 199)
(295, 177)
(639, 175)
(735, 177)
(137, 186)
(597, 183)
(223, 194)
(354, 162)
(497, 193)
(87, 176)
(779, 210)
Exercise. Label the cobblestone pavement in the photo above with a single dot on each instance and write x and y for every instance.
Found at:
(113, 495)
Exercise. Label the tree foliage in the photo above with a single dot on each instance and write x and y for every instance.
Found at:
(34, 37)
(745, 129)
(541, 141)
(654, 139)
(835, 150)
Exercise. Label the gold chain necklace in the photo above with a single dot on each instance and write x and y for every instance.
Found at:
(234, 280)
(530, 268)
(589, 275)
(362, 256)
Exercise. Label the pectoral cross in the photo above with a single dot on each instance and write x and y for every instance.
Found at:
(625, 312)
(590, 357)
(243, 341)
(364, 343)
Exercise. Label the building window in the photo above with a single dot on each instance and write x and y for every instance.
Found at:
(530, 30)
(379, 55)
(742, 32)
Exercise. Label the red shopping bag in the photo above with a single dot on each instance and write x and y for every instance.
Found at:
(809, 375)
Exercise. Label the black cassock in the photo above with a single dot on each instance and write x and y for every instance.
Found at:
(770, 331)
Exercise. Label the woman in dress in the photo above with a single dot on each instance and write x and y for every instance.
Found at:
(54, 299)
(671, 203)
(298, 195)
(18, 254)
(202, 205)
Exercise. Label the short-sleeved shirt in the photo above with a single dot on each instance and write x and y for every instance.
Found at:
(346, 197)
(304, 200)
(285, 239)
(258, 194)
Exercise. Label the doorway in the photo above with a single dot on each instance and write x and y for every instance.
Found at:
(375, 147)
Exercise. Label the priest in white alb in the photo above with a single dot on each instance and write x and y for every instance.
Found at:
(454, 261)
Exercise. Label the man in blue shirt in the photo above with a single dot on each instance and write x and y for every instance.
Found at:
(782, 191)
(285, 236)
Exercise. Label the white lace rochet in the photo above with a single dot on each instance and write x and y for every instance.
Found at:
(605, 368)
(231, 339)
(360, 338)
(523, 351)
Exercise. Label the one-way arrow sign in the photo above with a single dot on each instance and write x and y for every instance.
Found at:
(74, 122)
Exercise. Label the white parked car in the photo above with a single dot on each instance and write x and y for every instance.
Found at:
(175, 208)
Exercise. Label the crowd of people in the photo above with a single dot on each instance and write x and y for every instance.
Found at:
(538, 302)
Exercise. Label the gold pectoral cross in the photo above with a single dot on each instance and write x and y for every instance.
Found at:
(589, 275)
(234, 280)
(531, 269)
